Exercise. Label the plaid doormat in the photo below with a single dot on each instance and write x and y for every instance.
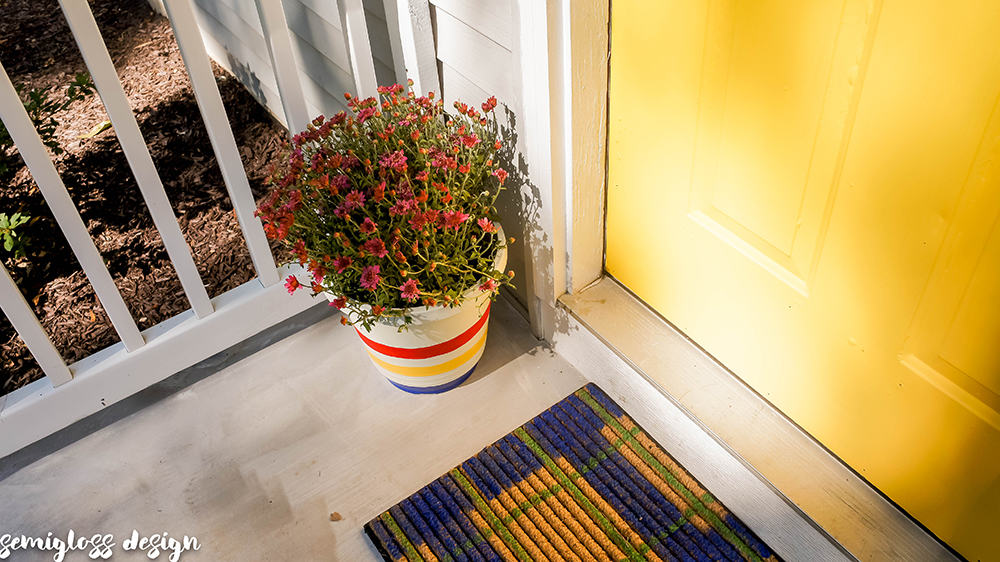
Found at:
(581, 481)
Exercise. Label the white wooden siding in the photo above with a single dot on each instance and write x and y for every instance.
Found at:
(234, 38)
(490, 18)
(474, 40)
(477, 57)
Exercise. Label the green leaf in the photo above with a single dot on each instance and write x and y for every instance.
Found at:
(98, 129)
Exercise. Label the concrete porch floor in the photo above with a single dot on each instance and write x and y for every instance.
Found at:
(253, 459)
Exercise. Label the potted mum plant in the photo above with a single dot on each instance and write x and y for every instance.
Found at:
(391, 210)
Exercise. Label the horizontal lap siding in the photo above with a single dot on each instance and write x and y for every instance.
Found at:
(474, 39)
(490, 18)
(481, 60)
(233, 37)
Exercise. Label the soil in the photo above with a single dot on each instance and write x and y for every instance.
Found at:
(38, 50)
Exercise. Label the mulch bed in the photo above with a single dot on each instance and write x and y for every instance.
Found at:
(38, 50)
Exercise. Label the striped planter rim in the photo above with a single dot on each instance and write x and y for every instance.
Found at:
(581, 481)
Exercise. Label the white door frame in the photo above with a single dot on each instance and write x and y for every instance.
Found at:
(569, 168)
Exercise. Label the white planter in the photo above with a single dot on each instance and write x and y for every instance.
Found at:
(440, 348)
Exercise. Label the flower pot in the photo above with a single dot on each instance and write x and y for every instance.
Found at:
(440, 348)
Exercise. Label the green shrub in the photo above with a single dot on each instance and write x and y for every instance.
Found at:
(14, 243)
(42, 110)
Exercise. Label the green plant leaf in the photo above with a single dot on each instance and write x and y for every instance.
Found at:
(98, 129)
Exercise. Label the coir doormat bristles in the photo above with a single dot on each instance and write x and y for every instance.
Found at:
(581, 481)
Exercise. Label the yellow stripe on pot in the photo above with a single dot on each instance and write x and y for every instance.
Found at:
(431, 370)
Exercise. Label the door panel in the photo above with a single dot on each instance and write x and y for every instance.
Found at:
(810, 191)
(960, 303)
(777, 85)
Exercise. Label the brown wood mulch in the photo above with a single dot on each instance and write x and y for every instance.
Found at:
(37, 50)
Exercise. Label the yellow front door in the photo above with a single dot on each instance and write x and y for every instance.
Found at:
(811, 191)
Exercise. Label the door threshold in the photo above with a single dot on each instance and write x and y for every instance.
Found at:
(605, 328)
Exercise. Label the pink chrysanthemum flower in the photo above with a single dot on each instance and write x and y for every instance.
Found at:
(408, 290)
(375, 247)
(489, 286)
(394, 160)
(402, 207)
(501, 175)
(486, 224)
(340, 182)
(300, 251)
(341, 263)
(366, 114)
(418, 221)
(453, 219)
(317, 271)
(370, 277)
(368, 226)
(354, 200)
(292, 284)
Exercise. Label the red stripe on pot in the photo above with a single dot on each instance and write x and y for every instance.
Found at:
(431, 350)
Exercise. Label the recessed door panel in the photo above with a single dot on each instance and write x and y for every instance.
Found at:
(961, 301)
(779, 81)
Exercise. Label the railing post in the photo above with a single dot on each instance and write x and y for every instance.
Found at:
(22, 131)
(286, 72)
(26, 324)
(213, 112)
(391, 9)
(95, 54)
(417, 40)
(359, 49)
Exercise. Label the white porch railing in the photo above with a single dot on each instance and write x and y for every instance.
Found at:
(70, 392)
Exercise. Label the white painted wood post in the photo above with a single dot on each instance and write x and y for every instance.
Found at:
(546, 247)
(417, 39)
(359, 49)
(26, 324)
(102, 70)
(391, 9)
(585, 65)
(22, 131)
(213, 112)
(286, 71)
